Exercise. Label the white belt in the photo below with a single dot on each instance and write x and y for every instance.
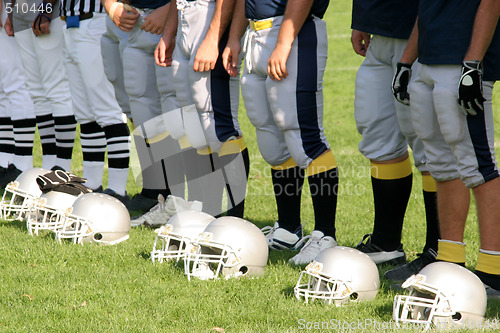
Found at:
(181, 4)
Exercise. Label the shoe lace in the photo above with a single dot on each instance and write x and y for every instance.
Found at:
(159, 206)
(268, 230)
(156, 215)
(311, 247)
(362, 244)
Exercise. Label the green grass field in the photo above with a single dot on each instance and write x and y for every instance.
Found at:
(47, 286)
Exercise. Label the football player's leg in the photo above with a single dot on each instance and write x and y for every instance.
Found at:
(287, 177)
(55, 81)
(383, 143)
(488, 263)
(171, 122)
(102, 101)
(452, 196)
(141, 87)
(301, 120)
(16, 100)
(6, 135)
(112, 44)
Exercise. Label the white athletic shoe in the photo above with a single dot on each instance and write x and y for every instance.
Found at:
(154, 216)
(164, 210)
(380, 256)
(316, 242)
(282, 239)
(175, 204)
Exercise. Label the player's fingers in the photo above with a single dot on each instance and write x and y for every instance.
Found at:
(45, 29)
(273, 72)
(157, 30)
(205, 66)
(196, 65)
(284, 71)
(158, 57)
(226, 59)
(146, 26)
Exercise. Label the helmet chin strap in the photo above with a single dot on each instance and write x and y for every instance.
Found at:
(116, 241)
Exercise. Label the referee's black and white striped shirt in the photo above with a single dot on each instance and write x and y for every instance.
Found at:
(81, 7)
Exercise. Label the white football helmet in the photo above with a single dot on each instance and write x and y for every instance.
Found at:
(174, 238)
(48, 211)
(442, 295)
(96, 217)
(229, 246)
(20, 194)
(339, 275)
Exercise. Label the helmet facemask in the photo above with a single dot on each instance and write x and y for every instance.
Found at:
(207, 259)
(312, 285)
(74, 228)
(425, 305)
(169, 245)
(80, 230)
(16, 203)
(43, 217)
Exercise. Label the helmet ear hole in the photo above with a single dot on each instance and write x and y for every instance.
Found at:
(98, 236)
(243, 269)
(456, 316)
(354, 296)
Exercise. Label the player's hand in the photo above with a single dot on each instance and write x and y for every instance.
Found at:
(470, 88)
(8, 28)
(230, 57)
(41, 24)
(400, 83)
(164, 51)
(153, 23)
(123, 16)
(360, 41)
(206, 56)
(276, 64)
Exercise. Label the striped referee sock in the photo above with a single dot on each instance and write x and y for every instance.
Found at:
(118, 143)
(65, 128)
(93, 141)
(45, 124)
(6, 142)
(24, 135)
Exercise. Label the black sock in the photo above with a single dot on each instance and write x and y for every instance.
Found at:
(432, 221)
(236, 185)
(287, 185)
(491, 280)
(390, 198)
(324, 189)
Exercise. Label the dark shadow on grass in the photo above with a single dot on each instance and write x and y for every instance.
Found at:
(493, 309)
(383, 311)
(14, 224)
(145, 255)
(288, 292)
